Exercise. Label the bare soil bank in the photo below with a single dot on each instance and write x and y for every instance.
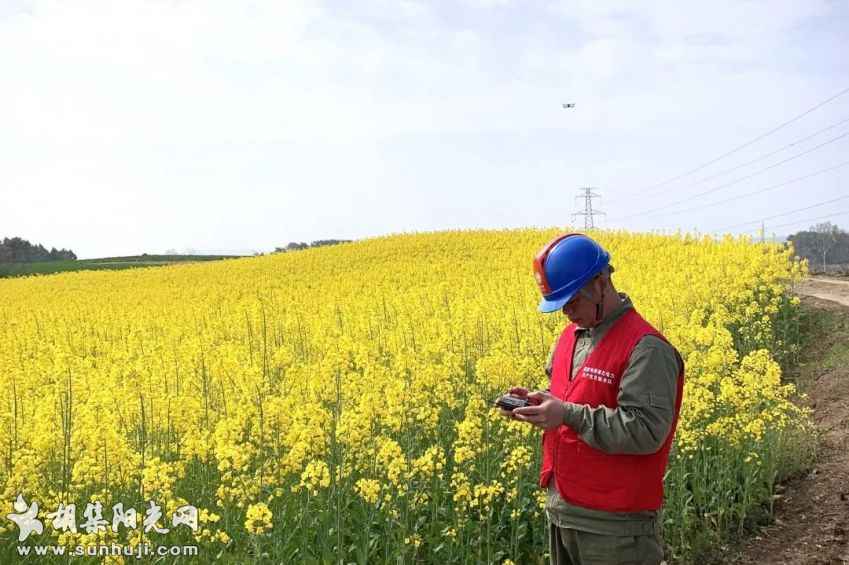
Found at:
(812, 512)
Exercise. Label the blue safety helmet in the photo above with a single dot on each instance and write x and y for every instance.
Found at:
(564, 266)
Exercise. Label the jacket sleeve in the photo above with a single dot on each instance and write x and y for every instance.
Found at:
(643, 419)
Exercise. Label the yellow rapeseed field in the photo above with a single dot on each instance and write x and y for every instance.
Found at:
(334, 403)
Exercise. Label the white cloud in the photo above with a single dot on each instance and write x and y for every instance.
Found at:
(489, 4)
(282, 115)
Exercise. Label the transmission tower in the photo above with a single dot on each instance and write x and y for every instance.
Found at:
(587, 194)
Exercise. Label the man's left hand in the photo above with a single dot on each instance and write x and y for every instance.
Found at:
(547, 413)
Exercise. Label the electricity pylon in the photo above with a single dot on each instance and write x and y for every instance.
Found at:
(589, 214)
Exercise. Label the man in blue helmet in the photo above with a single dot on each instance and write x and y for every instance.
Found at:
(609, 415)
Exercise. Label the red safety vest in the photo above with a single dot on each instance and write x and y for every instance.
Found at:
(586, 476)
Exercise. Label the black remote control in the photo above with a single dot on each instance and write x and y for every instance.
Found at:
(509, 402)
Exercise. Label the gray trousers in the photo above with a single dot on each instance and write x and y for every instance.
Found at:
(574, 547)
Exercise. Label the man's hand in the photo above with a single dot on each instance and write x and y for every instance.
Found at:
(547, 414)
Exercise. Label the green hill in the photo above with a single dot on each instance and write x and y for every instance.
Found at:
(129, 262)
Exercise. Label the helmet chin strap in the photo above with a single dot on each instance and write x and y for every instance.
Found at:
(599, 307)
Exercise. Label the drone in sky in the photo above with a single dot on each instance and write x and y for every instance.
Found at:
(569, 105)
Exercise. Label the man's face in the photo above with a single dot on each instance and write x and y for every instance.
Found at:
(581, 309)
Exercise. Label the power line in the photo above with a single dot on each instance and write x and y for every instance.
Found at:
(761, 190)
(736, 181)
(818, 204)
(748, 143)
(811, 219)
(771, 153)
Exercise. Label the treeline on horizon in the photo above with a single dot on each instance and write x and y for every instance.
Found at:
(822, 244)
(18, 250)
(294, 245)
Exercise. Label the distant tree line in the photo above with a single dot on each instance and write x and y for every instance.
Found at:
(823, 244)
(17, 250)
(295, 246)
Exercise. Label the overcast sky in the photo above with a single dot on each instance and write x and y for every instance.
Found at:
(130, 126)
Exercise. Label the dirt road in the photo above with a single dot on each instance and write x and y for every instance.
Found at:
(812, 515)
(836, 290)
